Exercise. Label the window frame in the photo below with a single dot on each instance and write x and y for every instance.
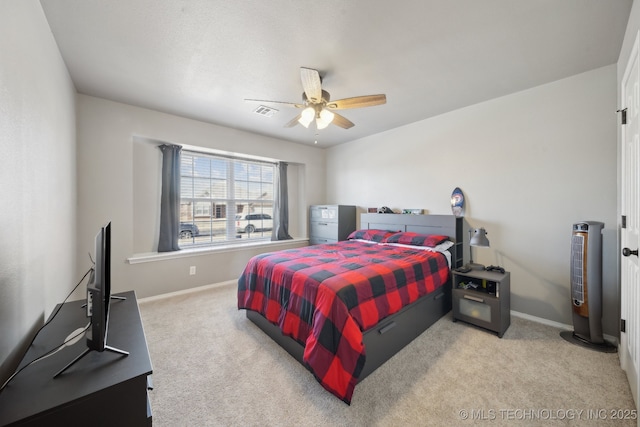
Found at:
(234, 200)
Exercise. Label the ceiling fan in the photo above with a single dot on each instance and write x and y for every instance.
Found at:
(316, 103)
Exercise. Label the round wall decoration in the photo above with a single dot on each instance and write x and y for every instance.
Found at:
(457, 202)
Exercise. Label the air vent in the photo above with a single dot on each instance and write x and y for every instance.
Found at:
(265, 111)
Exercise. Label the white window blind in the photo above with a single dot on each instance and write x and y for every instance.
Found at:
(224, 199)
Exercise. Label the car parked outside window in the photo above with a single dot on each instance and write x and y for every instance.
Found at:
(253, 222)
(188, 230)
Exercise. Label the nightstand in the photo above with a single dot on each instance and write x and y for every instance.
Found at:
(482, 298)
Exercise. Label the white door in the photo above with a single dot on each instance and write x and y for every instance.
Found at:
(630, 232)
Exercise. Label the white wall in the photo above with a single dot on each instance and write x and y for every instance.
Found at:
(38, 177)
(530, 164)
(117, 183)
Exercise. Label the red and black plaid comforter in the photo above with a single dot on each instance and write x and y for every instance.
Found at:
(325, 296)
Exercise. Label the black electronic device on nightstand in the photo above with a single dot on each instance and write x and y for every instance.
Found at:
(483, 298)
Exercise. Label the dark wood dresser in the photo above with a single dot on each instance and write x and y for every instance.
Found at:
(101, 389)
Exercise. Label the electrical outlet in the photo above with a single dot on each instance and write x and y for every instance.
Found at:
(192, 270)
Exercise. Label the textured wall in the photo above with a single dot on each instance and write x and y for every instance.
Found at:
(119, 181)
(530, 164)
(37, 177)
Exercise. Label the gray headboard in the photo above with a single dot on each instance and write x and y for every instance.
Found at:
(447, 225)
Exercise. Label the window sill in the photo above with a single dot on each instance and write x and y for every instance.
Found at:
(208, 250)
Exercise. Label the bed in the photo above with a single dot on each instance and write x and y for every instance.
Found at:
(343, 309)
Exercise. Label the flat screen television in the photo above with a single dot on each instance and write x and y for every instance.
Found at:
(99, 292)
(99, 298)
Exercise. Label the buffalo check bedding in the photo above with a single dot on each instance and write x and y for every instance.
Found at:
(326, 296)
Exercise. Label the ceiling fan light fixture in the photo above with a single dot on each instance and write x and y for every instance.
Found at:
(325, 117)
(306, 117)
(320, 124)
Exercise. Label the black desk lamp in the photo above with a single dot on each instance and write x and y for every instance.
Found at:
(477, 237)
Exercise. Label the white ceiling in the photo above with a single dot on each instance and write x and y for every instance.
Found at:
(201, 58)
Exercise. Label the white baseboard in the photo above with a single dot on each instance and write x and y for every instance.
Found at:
(188, 291)
(541, 320)
(558, 325)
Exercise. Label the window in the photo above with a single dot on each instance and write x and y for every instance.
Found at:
(224, 199)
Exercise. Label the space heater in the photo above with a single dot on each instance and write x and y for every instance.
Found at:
(586, 285)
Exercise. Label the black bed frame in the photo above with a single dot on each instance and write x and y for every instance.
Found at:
(396, 331)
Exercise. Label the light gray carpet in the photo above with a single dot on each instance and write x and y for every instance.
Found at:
(212, 366)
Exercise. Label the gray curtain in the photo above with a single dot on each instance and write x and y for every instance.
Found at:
(170, 199)
(281, 206)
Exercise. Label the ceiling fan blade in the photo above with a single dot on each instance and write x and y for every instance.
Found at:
(357, 102)
(290, 104)
(293, 122)
(311, 84)
(342, 121)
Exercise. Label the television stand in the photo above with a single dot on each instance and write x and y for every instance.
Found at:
(118, 297)
(104, 389)
(85, 352)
